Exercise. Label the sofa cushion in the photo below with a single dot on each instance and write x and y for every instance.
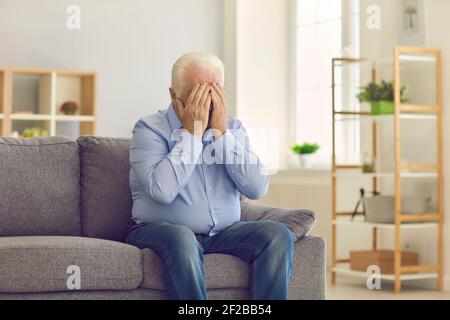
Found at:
(105, 190)
(221, 271)
(39, 187)
(40, 264)
(299, 221)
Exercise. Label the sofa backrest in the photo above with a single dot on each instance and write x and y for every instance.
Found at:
(104, 185)
(39, 187)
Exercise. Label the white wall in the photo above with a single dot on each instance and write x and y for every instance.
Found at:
(438, 26)
(262, 55)
(131, 43)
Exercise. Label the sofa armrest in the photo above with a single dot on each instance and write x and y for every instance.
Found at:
(308, 280)
(299, 221)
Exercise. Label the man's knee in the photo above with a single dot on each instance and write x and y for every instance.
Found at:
(167, 239)
(275, 234)
(182, 241)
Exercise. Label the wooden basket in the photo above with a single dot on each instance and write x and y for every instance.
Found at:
(361, 260)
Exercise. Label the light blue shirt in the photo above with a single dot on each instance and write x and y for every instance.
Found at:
(178, 178)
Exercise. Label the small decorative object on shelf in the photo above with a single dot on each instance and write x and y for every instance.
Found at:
(69, 108)
(384, 259)
(368, 165)
(305, 152)
(381, 97)
(381, 208)
(34, 132)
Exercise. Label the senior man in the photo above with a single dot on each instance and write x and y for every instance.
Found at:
(190, 164)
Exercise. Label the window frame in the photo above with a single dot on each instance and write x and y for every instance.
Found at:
(350, 38)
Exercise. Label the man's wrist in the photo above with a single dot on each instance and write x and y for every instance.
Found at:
(194, 132)
(219, 130)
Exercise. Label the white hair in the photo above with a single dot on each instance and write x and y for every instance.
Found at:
(205, 61)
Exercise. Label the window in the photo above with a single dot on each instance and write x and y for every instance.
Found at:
(324, 29)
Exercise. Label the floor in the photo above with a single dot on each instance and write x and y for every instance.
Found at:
(350, 289)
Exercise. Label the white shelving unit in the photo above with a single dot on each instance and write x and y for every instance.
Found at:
(401, 169)
(345, 270)
(33, 98)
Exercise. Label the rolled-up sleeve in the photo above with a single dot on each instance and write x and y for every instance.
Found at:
(163, 172)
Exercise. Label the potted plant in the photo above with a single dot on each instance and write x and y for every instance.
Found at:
(305, 152)
(368, 165)
(410, 11)
(34, 132)
(380, 96)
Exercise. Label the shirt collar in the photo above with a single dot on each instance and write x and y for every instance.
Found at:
(175, 123)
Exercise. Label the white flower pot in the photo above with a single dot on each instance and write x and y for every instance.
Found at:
(306, 160)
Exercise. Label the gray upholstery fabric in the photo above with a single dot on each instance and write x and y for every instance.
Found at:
(39, 264)
(299, 221)
(40, 183)
(225, 271)
(308, 270)
(105, 192)
(221, 271)
(136, 294)
(228, 294)
(39, 187)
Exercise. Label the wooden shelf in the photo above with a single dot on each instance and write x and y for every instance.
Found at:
(420, 217)
(355, 223)
(403, 165)
(79, 118)
(30, 95)
(345, 270)
(30, 117)
(367, 116)
(401, 170)
(385, 175)
(411, 108)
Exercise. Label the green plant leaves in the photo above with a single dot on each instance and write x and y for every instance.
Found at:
(383, 91)
(306, 148)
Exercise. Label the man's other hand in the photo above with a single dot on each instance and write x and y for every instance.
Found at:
(194, 115)
(219, 110)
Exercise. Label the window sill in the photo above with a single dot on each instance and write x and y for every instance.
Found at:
(298, 176)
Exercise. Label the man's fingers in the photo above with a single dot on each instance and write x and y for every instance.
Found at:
(215, 98)
(204, 97)
(192, 94)
(219, 91)
(207, 103)
(176, 103)
(199, 94)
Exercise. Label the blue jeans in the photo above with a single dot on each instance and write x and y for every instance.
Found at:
(267, 245)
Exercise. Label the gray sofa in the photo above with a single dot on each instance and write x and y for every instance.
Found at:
(67, 203)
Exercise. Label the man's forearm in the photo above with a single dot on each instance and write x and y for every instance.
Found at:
(164, 181)
(243, 166)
